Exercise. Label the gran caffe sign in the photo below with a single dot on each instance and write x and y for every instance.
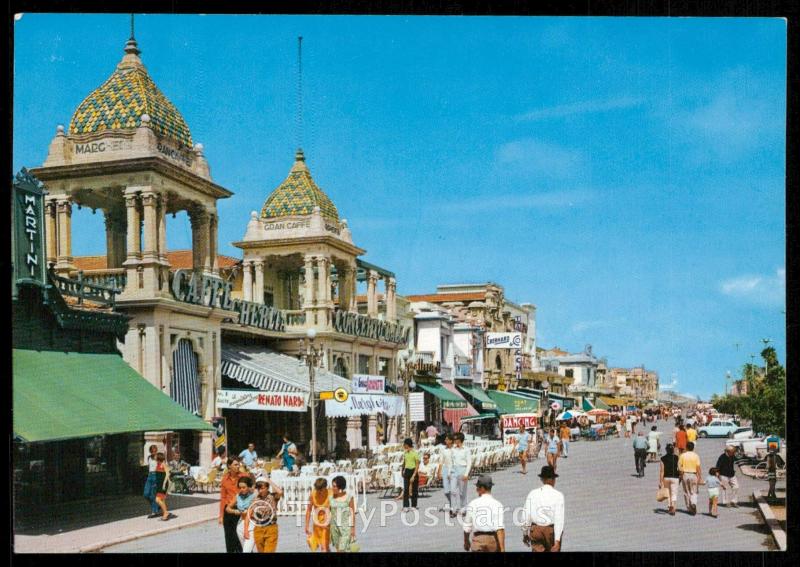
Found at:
(211, 291)
(369, 328)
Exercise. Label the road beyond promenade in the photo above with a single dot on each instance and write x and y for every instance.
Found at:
(607, 509)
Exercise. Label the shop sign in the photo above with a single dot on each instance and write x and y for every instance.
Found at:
(365, 404)
(362, 326)
(211, 291)
(288, 225)
(517, 420)
(416, 406)
(218, 437)
(262, 400)
(504, 340)
(28, 229)
(366, 383)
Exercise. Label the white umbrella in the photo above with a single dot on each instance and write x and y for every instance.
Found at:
(569, 414)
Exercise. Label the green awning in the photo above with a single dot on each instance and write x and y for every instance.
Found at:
(587, 405)
(59, 395)
(449, 399)
(478, 417)
(480, 396)
(600, 404)
(512, 403)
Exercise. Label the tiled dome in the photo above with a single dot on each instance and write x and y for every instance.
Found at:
(298, 195)
(118, 104)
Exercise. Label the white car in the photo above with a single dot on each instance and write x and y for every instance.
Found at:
(742, 433)
(718, 429)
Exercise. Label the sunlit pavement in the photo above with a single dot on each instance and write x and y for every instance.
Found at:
(607, 509)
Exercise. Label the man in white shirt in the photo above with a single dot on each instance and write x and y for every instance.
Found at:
(445, 473)
(462, 465)
(484, 520)
(544, 514)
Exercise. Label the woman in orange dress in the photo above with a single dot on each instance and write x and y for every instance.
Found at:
(318, 531)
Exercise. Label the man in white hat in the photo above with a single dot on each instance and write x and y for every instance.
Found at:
(484, 520)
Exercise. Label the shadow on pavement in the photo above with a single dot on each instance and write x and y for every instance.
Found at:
(87, 513)
(758, 528)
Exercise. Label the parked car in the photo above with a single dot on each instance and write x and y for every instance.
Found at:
(742, 433)
(718, 429)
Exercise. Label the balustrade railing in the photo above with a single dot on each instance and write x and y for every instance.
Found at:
(85, 289)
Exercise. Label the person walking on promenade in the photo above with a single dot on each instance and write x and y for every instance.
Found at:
(249, 456)
(712, 484)
(652, 444)
(522, 440)
(553, 449)
(484, 520)
(446, 472)
(772, 473)
(162, 483)
(543, 514)
(538, 441)
(669, 477)
(410, 475)
(564, 433)
(238, 508)
(727, 477)
(640, 453)
(318, 517)
(228, 490)
(288, 452)
(691, 434)
(627, 420)
(343, 516)
(263, 512)
(681, 439)
(150, 484)
(462, 466)
(691, 473)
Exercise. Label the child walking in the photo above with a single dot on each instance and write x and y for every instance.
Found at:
(162, 481)
(713, 483)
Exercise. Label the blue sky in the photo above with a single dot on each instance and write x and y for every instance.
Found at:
(625, 175)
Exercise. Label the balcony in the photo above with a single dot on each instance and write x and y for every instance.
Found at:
(115, 278)
(295, 320)
(446, 373)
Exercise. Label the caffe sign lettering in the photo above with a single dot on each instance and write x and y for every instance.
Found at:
(210, 291)
(28, 232)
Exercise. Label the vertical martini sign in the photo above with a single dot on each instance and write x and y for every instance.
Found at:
(28, 230)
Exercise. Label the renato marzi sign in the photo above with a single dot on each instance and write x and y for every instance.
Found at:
(211, 291)
(369, 328)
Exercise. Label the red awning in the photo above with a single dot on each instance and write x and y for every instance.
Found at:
(453, 416)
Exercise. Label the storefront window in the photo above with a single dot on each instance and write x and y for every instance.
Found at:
(383, 367)
(363, 364)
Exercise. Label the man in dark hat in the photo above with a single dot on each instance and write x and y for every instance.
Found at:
(544, 514)
(484, 520)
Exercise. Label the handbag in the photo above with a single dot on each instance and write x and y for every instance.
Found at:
(662, 494)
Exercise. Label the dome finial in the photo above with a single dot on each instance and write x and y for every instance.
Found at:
(132, 47)
(299, 155)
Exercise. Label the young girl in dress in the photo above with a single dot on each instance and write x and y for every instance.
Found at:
(162, 481)
(318, 517)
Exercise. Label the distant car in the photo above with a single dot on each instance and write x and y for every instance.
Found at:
(718, 429)
(742, 433)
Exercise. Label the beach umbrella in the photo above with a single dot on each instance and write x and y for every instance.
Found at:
(569, 414)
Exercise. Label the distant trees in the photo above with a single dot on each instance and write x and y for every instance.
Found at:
(765, 401)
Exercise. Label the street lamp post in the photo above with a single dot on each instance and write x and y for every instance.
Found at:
(312, 356)
(406, 381)
(546, 400)
(727, 380)
(766, 361)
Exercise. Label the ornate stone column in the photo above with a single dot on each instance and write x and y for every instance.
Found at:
(258, 289)
(150, 209)
(322, 280)
(212, 242)
(64, 254)
(133, 238)
(162, 229)
(372, 295)
(51, 229)
(344, 288)
(200, 238)
(115, 238)
(247, 280)
(354, 288)
(391, 299)
(308, 286)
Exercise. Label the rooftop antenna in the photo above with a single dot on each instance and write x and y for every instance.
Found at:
(299, 92)
(131, 47)
(132, 34)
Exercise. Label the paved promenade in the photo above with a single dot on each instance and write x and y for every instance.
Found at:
(607, 509)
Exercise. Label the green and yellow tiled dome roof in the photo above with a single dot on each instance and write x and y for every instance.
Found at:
(298, 195)
(118, 104)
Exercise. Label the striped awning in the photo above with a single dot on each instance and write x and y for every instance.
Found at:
(455, 416)
(255, 379)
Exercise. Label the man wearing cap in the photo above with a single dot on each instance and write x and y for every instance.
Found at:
(727, 477)
(484, 520)
(544, 514)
